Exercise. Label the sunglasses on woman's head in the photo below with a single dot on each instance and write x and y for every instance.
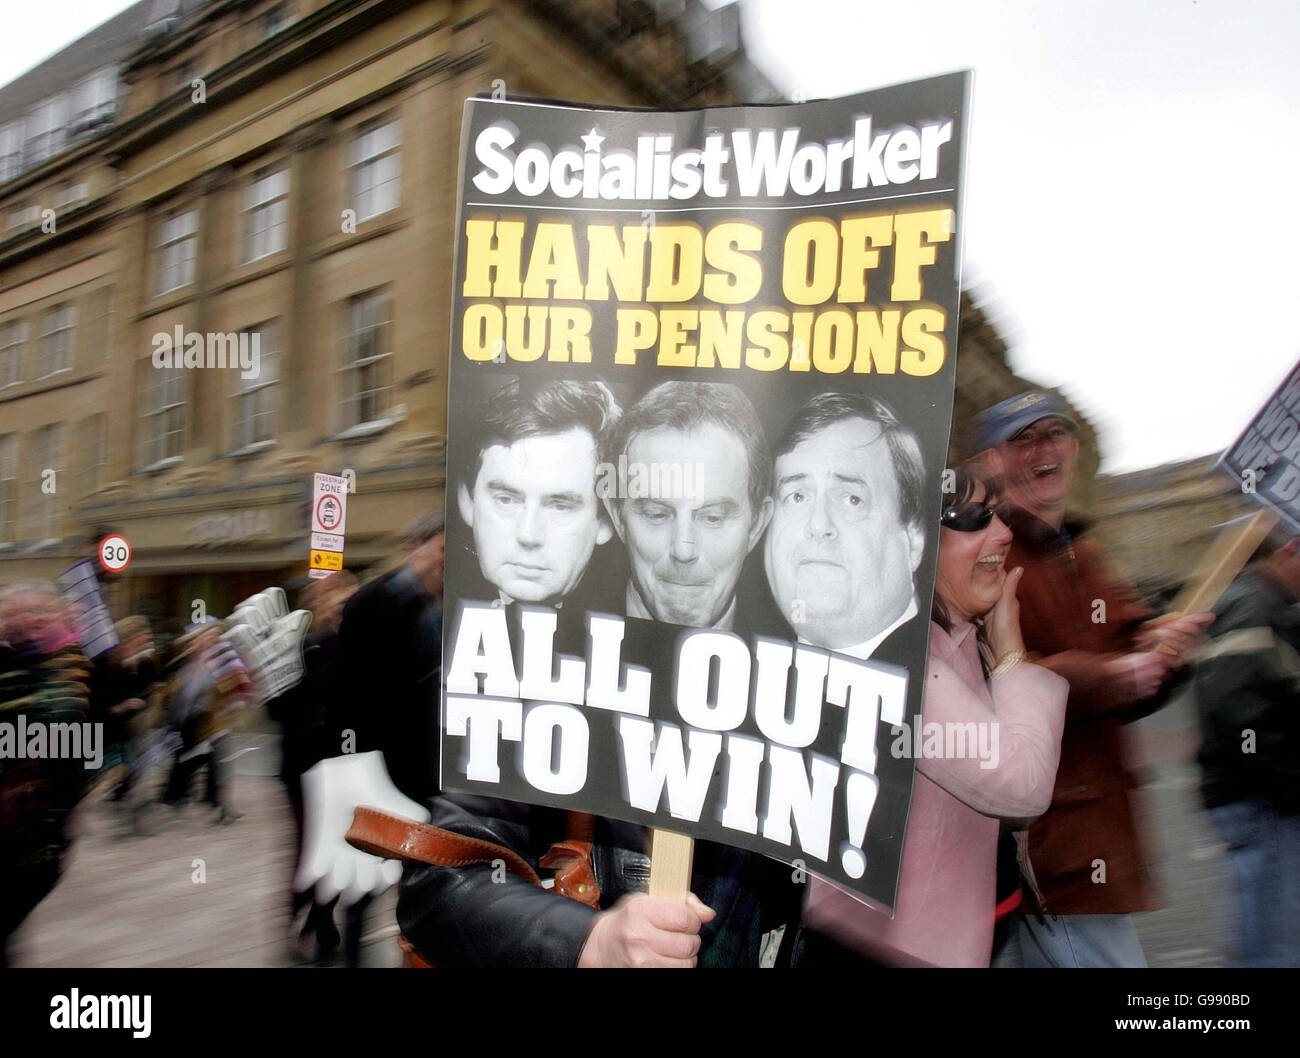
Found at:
(972, 517)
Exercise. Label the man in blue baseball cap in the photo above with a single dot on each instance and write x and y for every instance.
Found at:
(1082, 860)
(1036, 439)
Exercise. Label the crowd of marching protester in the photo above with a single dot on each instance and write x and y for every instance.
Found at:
(131, 707)
(1038, 860)
(172, 710)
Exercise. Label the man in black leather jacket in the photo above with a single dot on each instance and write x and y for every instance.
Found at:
(481, 916)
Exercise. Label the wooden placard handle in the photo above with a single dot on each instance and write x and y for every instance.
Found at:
(1225, 559)
(1228, 557)
(671, 856)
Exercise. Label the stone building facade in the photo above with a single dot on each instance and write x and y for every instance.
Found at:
(286, 169)
(280, 173)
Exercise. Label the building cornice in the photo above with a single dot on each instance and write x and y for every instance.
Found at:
(317, 33)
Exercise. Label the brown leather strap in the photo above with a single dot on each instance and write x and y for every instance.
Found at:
(575, 875)
(580, 826)
(395, 838)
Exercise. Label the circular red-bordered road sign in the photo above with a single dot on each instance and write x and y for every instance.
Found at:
(329, 527)
(115, 553)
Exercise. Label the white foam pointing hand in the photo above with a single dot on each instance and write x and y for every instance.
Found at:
(332, 791)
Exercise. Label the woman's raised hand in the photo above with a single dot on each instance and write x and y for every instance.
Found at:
(1002, 625)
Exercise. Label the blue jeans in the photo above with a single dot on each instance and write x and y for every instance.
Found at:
(1264, 851)
(1060, 941)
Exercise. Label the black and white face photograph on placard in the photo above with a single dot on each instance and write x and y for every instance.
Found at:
(528, 491)
(702, 504)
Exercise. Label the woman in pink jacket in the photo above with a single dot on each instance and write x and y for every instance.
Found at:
(977, 674)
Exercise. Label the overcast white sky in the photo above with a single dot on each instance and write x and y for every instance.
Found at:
(1131, 221)
(35, 29)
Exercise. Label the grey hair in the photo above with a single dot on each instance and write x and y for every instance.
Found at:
(30, 586)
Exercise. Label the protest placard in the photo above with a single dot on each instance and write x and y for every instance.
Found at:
(269, 638)
(1265, 459)
(1265, 462)
(94, 623)
(702, 373)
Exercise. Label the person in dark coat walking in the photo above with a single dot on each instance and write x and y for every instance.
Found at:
(213, 681)
(390, 661)
(1246, 685)
(122, 680)
(389, 672)
(300, 711)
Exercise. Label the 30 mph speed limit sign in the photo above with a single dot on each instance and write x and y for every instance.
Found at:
(114, 553)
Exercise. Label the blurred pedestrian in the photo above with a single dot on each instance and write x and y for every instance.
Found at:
(978, 679)
(300, 711)
(44, 680)
(390, 653)
(1082, 860)
(207, 690)
(389, 678)
(121, 684)
(1247, 688)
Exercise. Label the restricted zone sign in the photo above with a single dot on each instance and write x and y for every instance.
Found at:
(329, 500)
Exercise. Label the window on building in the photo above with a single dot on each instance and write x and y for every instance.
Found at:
(254, 412)
(8, 487)
(13, 337)
(267, 211)
(48, 489)
(46, 126)
(58, 327)
(70, 193)
(92, 443)
(176, 248)
(11, 150)
(162, 427)
(22, 217)
(376, 166)
(93, 101)
(368, 358)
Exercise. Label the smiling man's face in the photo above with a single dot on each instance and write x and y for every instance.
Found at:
(1038, 465)
(838, 557)
(534, 514)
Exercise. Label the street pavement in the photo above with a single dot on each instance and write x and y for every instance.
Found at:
(191, 893)
(194, 894)
(1193, 928)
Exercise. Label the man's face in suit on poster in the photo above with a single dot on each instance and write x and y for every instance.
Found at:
(686, 543)
(534, 514)
(840, 559)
